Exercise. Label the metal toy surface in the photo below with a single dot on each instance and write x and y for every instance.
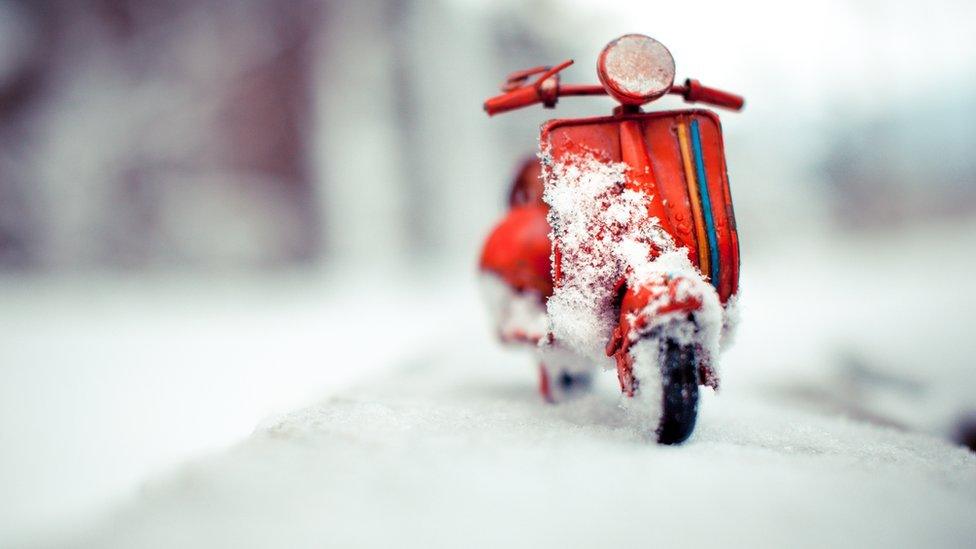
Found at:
(686, 170)
(674, 158)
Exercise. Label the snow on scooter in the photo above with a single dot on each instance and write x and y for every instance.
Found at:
(628, 255)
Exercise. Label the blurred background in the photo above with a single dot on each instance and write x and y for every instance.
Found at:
(209, 209)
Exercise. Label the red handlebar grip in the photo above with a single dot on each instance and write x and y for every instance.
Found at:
(696, 92)
(515, 99)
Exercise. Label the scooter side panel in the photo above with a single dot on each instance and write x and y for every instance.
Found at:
(713, 151)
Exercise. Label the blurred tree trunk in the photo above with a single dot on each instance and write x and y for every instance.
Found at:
(174, 133)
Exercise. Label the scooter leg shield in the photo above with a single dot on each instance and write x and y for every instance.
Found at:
(661, 300)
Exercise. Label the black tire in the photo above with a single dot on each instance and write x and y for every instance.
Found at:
(679, 402)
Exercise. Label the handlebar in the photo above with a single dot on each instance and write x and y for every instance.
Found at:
(695, 92)
(547, 90)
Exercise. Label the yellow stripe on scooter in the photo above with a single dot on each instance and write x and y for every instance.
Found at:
(696, 210)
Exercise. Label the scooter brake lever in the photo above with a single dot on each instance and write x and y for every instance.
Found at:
(518, 78)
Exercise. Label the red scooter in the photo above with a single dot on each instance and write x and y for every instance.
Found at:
(620, 245)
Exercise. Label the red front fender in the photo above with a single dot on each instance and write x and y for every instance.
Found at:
(640, 306)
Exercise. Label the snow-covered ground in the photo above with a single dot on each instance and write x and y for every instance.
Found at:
(107, 379)
(849, 371)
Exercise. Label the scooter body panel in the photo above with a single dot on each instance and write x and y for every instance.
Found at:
(690, 179)
(518, 250)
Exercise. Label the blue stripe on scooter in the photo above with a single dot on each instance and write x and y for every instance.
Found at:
(706, 201)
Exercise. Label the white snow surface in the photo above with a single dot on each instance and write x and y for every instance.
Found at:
(454, 450)
(518, 316)
(830, 430)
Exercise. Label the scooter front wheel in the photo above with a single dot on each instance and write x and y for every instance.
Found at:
(664, 376)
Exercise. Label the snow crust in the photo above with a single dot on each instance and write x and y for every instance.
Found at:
(588, 236)
(454, 451)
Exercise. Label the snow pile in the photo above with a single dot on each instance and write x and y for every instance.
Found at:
(518, 316)
(454, 452)
(647, 405)
(587, 234)
(604, 234)
(730, 321)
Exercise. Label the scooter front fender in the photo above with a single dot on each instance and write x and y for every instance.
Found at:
(643, 306)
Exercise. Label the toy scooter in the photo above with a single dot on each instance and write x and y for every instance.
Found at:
(628, 255)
